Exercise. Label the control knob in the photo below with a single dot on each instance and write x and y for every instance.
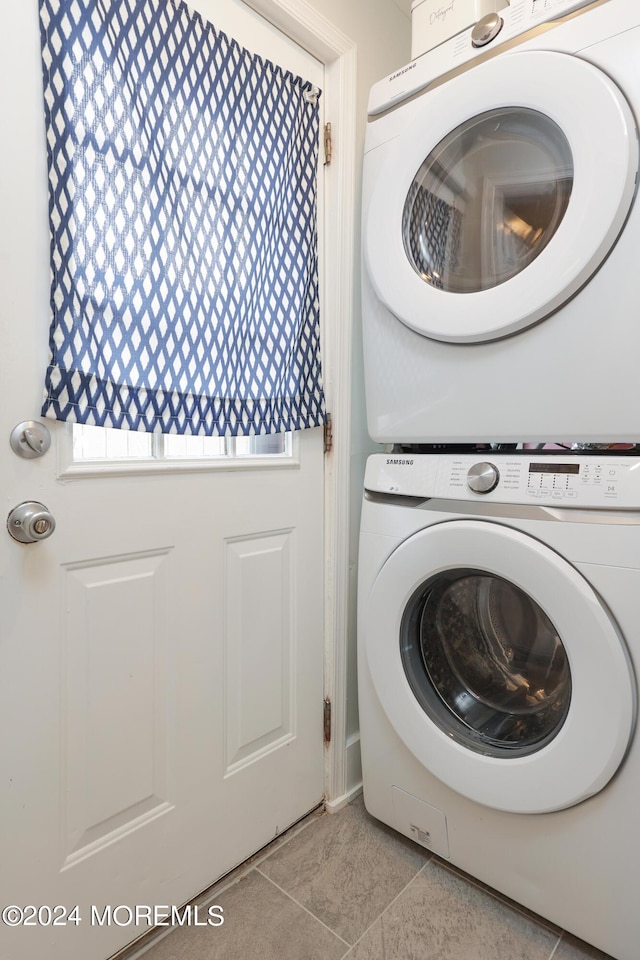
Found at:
(486, 30)
(483, 477)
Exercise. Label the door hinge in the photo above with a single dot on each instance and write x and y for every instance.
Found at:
(328, 434)
(327, 720)
(328, 144)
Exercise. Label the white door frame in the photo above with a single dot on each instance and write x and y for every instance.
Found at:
(330, 46)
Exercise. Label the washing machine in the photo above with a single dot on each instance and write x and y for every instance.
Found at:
(501, 232)
(498, 650)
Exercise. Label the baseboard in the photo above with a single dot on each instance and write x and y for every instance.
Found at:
(354, 776)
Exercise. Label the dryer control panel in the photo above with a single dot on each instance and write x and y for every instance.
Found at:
(518, 21)
(592, 481)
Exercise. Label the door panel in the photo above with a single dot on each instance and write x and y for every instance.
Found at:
(259, 611)
(161, 654)
(116, 772)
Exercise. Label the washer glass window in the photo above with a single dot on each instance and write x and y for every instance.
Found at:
(487, 200)
(486, 663)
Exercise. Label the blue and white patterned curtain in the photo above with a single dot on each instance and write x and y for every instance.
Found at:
(182, 203)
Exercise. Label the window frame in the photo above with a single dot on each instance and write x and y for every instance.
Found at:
(71, 469)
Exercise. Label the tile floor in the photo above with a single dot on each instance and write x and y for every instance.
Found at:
(345, 886)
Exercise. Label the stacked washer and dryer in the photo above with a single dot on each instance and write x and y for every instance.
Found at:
(499, 634)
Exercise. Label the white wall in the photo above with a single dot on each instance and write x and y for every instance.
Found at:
(381, 30)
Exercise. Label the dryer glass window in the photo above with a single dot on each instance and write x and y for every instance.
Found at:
(486, 663)
(487, 200)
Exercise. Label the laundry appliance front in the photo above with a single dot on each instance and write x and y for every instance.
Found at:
(500, 234)
(498, 647)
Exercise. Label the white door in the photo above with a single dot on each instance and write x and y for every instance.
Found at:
(496, 202)
(499, 667)
(161, 654)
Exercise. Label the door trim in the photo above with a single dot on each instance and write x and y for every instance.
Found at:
(337, 52)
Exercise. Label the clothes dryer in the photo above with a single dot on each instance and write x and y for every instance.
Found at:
(501, 232)
(497, 659)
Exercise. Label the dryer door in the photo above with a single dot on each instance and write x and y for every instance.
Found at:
(501, 198)
(499, 667)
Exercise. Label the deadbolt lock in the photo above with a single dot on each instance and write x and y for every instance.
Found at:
(30, 439)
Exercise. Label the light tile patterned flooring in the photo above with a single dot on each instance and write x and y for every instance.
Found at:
(344, 885)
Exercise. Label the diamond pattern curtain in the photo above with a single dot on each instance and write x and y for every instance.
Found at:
(182, 203)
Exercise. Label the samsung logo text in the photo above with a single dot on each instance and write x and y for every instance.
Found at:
(394, 76)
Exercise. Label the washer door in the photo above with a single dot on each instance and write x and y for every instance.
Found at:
(499, 667)
(499, 199)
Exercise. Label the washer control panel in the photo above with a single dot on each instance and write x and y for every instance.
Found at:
(554, 480)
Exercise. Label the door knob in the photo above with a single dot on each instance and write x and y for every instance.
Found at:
(30, 522)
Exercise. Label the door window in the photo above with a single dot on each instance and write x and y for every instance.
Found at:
(93, 444)
(486, 663)
(487, 200)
